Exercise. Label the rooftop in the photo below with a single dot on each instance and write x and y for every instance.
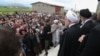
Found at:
(48, 4)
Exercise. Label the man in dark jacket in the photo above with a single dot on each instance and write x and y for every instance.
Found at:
(27, 43)
(47, 34)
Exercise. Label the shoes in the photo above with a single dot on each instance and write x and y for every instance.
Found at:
(46, 54)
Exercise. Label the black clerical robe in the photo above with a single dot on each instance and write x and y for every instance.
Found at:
(88, 26)
(92, 47)
(70, 44)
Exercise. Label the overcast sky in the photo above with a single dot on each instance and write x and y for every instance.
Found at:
(68, 4)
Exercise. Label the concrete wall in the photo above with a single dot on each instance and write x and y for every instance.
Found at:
(41, 8)
(62, 10)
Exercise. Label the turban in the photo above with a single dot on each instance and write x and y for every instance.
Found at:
(55, 21)
(85, 13)
(72, 16)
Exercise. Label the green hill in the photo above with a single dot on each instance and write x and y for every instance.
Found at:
(13, 9)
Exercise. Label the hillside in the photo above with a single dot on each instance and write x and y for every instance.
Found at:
(13, 9)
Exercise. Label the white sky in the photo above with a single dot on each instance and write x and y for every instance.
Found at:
(68, 4)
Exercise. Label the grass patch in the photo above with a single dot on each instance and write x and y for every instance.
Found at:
(5, 9)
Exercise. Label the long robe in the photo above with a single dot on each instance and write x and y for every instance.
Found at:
(55, 35)
(92, 47)
(70, 44)
(88, 26)
(62, 37)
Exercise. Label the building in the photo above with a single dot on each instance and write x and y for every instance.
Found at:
(42, 7)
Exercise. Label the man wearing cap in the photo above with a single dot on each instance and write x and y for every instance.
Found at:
(71, 35)
(86, 26)
(55, 32)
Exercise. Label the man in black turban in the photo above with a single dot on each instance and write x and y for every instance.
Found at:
(92, 47)
(86, 26)
(85, 13)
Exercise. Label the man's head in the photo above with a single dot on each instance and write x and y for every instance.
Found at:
(23, 32)
(48, 21)
(85, 14)
(9, 43)
(56, 22)
(71, 17)
(94, 17)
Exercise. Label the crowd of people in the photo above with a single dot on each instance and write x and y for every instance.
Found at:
(35, 32)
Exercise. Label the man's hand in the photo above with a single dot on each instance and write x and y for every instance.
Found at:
(81, 38)
(49, 33)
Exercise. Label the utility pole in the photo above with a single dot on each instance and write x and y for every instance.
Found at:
(75, 5)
